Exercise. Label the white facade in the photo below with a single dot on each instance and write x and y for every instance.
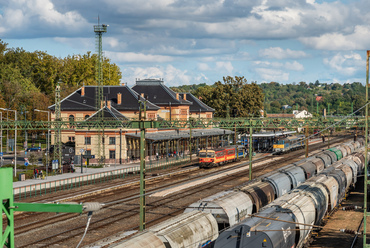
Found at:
(302, 114)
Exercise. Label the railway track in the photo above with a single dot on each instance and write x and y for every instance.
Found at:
(124, 204)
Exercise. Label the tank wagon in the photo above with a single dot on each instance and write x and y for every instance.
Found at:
(193, 229)
(308, 201)
(263, 190)
(227, 207)
(306, 204)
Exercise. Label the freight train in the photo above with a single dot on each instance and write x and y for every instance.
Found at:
(214, 157)
(291, 194)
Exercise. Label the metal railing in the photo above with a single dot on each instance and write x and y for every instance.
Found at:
(43, 188)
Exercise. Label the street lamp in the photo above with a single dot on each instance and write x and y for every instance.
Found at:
(48, 140)
(15, 141)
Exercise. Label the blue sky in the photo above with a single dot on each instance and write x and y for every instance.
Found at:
(195, 41)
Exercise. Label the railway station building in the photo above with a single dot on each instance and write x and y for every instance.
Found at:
(121, 103)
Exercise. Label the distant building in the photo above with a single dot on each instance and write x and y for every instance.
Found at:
(295, 114)
(121, 103)
(172, 105)
(302, 114)
(198, 109)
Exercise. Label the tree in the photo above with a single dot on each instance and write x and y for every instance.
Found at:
(242, 98)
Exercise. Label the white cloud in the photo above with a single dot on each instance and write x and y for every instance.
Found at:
(38, 15)
(203, 67)
(225, 66)
(170, 74)
(294, 66)
(137, 57)
(354, 40)
(345, 64)
(268, 64)
(273, 75)
(279, 53)
(112, 42)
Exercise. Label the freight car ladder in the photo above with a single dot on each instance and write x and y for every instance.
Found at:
(366, 178)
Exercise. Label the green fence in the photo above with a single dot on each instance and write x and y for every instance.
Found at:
(88, 179)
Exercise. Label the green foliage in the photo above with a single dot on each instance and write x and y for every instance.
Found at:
(242, 99)
(336, 97)
(29, 78)
(188, 88)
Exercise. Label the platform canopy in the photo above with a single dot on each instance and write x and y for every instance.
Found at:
(271, 134)
(181, 134)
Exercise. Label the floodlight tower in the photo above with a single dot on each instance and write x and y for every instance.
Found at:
(99, 30)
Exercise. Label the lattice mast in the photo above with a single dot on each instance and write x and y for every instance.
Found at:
(366, 176)
(58, 132)
(100, 103)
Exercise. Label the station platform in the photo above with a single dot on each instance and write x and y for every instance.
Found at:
(31, 187)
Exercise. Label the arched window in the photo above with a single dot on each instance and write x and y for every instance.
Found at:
(87, 116)
(71, 121)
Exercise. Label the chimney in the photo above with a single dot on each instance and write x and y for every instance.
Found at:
(119, 98)
(83, 90)
(185, 96)
(109, 104)
(177, 96)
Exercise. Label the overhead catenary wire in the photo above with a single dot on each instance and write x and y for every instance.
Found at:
(308, 137)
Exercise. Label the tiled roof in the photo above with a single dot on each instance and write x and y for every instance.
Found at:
(198, 105)
(76, 101)
(157, 93)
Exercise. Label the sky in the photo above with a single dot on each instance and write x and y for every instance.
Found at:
(201, 41)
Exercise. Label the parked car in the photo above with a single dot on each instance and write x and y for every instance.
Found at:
(34, 149)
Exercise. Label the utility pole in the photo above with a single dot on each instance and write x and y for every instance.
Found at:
(306, 141)
(366, 177)
(142, 107)
(250, 152)
(58, 132)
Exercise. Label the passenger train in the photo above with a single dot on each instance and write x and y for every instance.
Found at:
(214, 157)
(282, 145)
(292, 194)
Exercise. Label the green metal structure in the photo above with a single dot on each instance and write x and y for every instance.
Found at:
(255, 123)
(142, 115)
(252, 123)
(100, 103)
(8, 206)
(57, 128)
(366, 176)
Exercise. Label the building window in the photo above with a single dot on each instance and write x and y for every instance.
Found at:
(112, 140)
(71, 139)
(71, 121)
(102, 140)
(87, 116)
(112, 154)
(87, 140)
(88, 152)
